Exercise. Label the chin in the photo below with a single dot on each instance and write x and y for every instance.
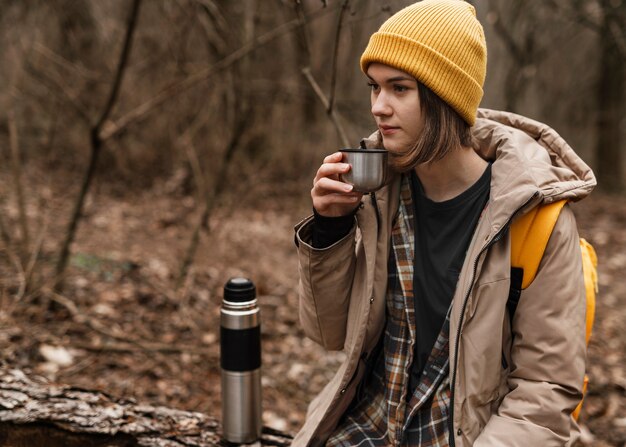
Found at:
(394, 147)
(395, 151)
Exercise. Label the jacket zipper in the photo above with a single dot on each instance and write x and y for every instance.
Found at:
(495, 239)
(376, 210)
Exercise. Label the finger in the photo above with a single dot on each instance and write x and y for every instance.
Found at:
(322, 203)
(327, 185)
(331, 170)
(333, 158)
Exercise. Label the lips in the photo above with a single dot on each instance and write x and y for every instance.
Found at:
(387, 130)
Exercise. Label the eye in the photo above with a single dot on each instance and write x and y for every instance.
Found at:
(400, 88)
(374, 87)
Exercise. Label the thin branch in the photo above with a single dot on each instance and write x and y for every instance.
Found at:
(96, 141)
(301, 17)
(112, 128)
(333, 70)
(186, 141)
(185, 310)
(306, 71)
(16, 168)
(217, 18)
(620, 39)
(19, 269)
(4, 233)
(130, 30)
(575, 15)
(55, 86)
(64, 63)
(578, 16)
(13, 258)
(194, 161)
(506, 35)
(30, 267)
(211, 199)
(210, 21)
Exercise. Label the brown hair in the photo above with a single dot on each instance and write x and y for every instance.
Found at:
(444, 130)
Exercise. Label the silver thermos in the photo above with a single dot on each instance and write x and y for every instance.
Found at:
(240, 360)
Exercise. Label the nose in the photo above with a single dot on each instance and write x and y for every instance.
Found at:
(380, 105)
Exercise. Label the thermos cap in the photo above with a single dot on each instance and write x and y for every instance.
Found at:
(239, 290)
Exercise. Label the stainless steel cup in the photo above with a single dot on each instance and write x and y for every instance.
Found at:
(368, 169)
(240, 359)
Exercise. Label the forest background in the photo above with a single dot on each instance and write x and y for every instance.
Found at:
(150, 150)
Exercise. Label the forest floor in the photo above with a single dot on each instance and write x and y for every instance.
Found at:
(121, 326)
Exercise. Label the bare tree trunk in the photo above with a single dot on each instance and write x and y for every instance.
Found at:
(611, 106)
(96, 143)
(610, 94)
(303, 59)
(520, 42)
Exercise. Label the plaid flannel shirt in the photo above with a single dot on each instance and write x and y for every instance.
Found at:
(382, 414)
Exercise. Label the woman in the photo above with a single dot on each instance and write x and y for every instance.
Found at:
(412, 281)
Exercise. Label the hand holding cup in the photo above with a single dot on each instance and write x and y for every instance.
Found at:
(368, 169)
(332, 197)
(345, 176)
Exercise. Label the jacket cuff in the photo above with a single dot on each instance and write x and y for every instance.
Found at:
(303, 237)
(328, 230)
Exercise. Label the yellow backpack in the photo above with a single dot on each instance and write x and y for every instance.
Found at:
(529, 237)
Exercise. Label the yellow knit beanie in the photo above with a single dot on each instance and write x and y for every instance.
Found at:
(442, 45)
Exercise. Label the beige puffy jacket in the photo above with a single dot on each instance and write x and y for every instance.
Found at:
(342, 300)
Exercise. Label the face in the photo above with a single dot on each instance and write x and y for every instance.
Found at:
(395, 106)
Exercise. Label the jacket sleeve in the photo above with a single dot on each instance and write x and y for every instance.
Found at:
(548, 352)
(324, 288)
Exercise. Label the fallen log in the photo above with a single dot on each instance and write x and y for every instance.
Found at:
(35, 412)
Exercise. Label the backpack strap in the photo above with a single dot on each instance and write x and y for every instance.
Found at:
(529, 238)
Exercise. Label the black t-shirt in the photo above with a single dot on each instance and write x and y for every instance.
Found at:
(443, 231)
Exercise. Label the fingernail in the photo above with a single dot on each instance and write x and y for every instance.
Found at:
(348, 187)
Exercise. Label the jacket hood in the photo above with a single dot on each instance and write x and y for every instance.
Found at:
(532, 155)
